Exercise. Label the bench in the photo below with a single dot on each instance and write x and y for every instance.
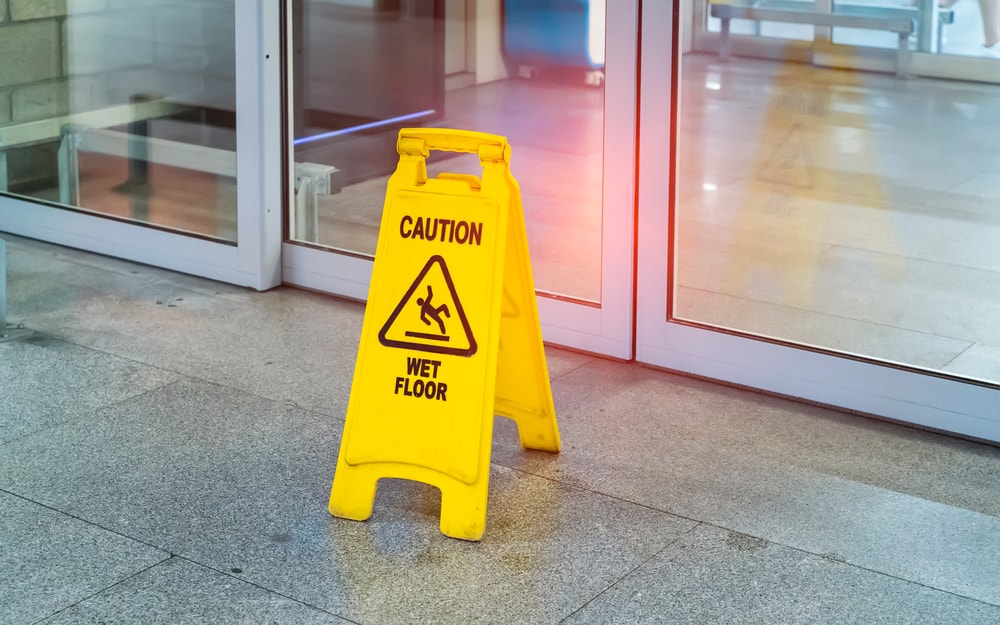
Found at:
(90, 132)
(902, 26)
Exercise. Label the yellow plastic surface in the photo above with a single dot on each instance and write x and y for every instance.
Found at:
(451, 284)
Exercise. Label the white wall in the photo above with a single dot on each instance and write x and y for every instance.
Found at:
(489, 57)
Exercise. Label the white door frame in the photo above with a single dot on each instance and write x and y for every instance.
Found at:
(892, 392)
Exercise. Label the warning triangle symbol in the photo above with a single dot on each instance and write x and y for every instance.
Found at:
(430, 317)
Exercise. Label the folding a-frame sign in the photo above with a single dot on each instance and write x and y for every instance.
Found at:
(450, 336)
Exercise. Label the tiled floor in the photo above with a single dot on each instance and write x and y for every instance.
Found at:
(167, 446)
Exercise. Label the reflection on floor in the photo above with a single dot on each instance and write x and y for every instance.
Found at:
(167, 446)
(170, 197)
(846, 210)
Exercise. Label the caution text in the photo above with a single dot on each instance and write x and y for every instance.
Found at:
(443, 230)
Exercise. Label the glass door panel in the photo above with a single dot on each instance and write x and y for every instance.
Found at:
(139, 123)
(118, 130)
(546, 75)
(948, 27)
(813, 244)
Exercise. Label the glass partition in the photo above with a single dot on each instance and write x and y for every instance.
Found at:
(819, 233)
(122, 109)
(531, 71)
(840, 210)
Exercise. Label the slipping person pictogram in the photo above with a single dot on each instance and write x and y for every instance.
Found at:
(422, 309)
(429, 310)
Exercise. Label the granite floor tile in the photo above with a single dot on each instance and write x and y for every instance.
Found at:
(58, 262)
(979, 361)
(617, 411)
(240, 483)
(50, 560)
(46, 381)
(563, 361)
(548, 549)
(164, 465)
(289, 345)
(906, 503)
(39, 257)
(180, 591)
(713, 575)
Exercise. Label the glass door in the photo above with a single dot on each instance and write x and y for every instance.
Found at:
(819, 233)
(133, 132)
(556, 78)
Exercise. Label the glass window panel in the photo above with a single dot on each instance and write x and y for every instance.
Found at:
(912, 9)
(526, 69)
(125, 109)
(846, 211)
(966, 27)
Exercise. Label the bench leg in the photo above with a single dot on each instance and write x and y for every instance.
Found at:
(724, 51)
(903, 56)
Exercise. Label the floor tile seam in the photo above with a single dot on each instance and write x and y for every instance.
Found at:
(958, 355)
(186, 377)
(105, 589)
(79, 414)
(969, 215)
(136, 274)
(941, 208)
(970, 175)
(99, 350)
(170, 281)
(182, 377)
(632, 571)
(910, 257)
(190, 377)
(579, 367)
(699, 522)
(583, 489)
(272, 591)
(827, 557)
(166, 553)
(840, 317)
(802, 401)
(93, 524)
(867, 250)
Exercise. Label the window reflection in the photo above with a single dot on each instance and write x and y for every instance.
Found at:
(526, 69)
(846, 210)
(126, 110)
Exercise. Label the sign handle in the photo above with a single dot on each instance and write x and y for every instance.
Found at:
(445, 140)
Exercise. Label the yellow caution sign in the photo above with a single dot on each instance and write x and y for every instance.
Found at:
(450, 336)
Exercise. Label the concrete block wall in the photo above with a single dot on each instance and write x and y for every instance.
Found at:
(69, 56)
